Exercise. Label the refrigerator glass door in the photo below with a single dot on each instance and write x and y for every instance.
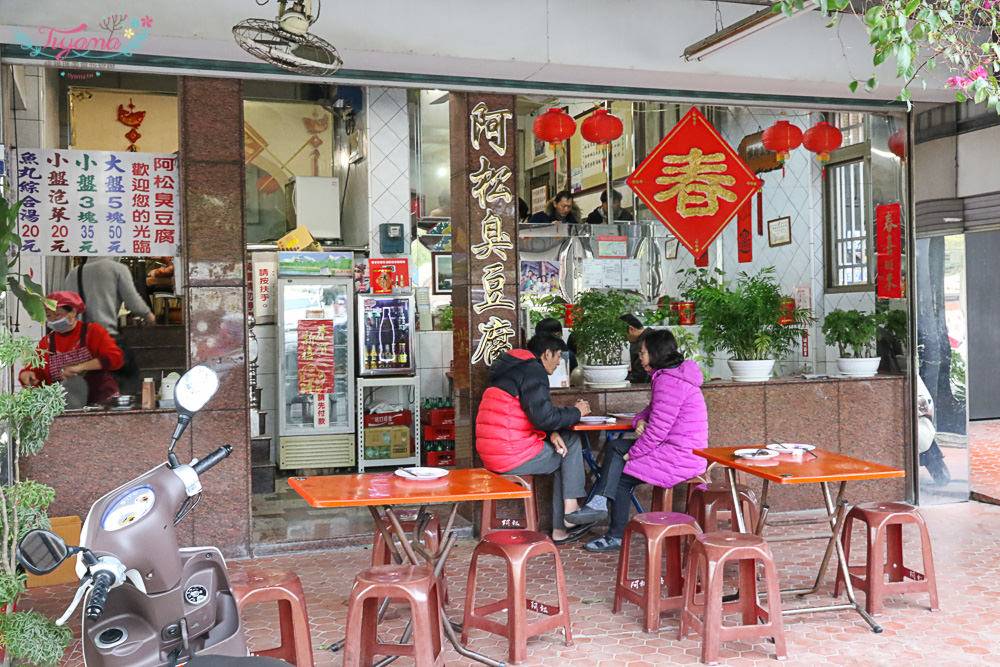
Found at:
(385, 335)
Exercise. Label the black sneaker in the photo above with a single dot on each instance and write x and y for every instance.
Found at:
(586, 515)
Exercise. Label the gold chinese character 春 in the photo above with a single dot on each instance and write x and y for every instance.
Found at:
(488, 183)
(491, 123)
(493, 284)
(698, 182)
(495, 240)
(495, 340)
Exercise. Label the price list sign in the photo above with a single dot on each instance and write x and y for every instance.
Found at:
(97, 202)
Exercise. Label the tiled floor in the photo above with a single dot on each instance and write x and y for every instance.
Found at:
(965, 631)
(984, 459)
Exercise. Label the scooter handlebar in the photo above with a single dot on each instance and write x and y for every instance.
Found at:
(213, 458)
(103, 581)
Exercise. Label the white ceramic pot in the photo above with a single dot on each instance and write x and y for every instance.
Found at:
(864, 367)
(605, 375)
(754, 370)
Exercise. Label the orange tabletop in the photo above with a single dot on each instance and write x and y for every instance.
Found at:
(618, 425)
(386, 488)
(825, 467)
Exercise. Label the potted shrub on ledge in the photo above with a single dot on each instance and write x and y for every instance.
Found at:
(744, 318)
(600, 335)
(854, 333)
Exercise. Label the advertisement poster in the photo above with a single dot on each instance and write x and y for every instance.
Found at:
(315, 356)
(97, 202)
(612, 246)
(539, 278)
(386, 274)
(300, 263)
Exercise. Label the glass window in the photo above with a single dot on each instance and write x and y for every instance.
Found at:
(848, 225)
(852, 125)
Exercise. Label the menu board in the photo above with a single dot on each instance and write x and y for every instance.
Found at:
(611, 273)
(97, 202)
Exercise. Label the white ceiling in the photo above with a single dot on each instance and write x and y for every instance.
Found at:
(626, 43)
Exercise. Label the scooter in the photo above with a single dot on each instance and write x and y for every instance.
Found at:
(147, 601)
(929, 454)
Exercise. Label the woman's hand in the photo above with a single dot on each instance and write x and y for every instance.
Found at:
(72, 371)
(28, 378)
(640, 427)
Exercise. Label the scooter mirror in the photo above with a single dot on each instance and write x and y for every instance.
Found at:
(41, 551)
(194, 389)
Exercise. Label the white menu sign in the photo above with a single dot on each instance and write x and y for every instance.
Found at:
(97, 202)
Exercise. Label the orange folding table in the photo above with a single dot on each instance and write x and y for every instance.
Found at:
(818, 466)
(382, 492)
(618, 426)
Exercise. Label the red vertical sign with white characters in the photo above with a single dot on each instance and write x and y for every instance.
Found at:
(888, 249)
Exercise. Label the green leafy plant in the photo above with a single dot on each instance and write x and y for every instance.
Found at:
(445, 318)
(895, 326)
(853, 329)
(687, 345)
(599, 333)
(662, 313)
(961, 35)
(957, 376)
(742, 318)
(542, 307)
(28, 292)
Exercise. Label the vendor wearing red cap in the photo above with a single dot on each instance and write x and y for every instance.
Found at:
(75, 348)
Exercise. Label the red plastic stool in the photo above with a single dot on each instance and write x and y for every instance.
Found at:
(267, 585)
(414, 583)
(707, 500)
(663, 499)
(516, 547)
(708, 556)
(885, 536)
(664, 532)
(489, 521)
(431, 538)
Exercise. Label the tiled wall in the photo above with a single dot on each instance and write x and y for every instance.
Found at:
(434, 354)
(388, 163)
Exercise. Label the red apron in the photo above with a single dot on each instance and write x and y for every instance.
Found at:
(101, 387)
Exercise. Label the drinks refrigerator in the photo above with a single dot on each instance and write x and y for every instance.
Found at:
(385, 335)
(316, 396)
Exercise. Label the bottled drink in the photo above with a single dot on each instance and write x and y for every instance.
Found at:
(386, 339)
(401, 356)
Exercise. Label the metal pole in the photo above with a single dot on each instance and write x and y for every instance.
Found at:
(610, 190)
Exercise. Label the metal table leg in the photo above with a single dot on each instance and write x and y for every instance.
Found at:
(741, 526)
(588, 458)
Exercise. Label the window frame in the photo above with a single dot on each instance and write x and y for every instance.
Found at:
(856, 153)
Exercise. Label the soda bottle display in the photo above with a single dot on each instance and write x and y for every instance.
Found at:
(387, 339)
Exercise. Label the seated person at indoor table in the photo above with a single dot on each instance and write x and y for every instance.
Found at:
(520, 432)
(668, 430)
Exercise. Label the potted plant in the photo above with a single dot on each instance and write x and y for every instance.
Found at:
(25, 418)
(600, 335)
(743, 319)
(854, 333)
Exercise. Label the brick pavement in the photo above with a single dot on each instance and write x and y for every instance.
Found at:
(965, 631)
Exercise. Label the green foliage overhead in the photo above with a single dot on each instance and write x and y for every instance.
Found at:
(28, 292)
(742, 318)
(599, 334)
(853, 329)
(962, 35)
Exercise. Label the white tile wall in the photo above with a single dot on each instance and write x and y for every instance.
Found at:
(434, 355)
(388, 163)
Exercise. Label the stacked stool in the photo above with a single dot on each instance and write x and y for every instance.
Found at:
(707, 500)
(664, 533)
(709, 554)
(255, 585)
(431, 537)
(885, 540)
(416, 585)
(516, 547)
(489, 521)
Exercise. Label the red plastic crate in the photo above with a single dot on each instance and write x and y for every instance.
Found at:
(439, 416)
(439, 432)
(399, 418)
(436, 459)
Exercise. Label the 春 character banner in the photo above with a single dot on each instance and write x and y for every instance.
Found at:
(694, 182)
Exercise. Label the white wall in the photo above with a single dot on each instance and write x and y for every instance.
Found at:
(977, 162)
(935, 173)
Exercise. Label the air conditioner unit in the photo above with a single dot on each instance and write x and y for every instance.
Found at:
(314, 202)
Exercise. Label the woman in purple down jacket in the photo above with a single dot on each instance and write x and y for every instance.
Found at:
(673, 424)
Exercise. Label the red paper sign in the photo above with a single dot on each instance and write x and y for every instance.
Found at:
(315, 356)
(889, 276)
(702, 259)
(744, 234)
(694, 182)
(384, 274)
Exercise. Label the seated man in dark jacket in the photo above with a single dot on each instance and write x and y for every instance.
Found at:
(636, 373)
(520, 432)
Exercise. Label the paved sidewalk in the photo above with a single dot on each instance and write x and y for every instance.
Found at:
(965, 631)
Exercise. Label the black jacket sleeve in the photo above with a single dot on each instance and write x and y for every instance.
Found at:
(537, 402)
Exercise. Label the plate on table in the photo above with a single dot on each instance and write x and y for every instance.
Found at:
(596, 419)
(623, 415)
(786, 447)
(755, 453)
(420, 473)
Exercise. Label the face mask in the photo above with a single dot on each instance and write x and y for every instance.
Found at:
(62, 325)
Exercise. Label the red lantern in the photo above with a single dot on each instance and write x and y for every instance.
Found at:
(781, 138)
(601, 127)
(822, 138)
(554, 126)
(897, 143)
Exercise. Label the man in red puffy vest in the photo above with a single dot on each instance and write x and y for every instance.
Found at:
(520, 432)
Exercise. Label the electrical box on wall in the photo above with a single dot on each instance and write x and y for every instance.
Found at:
(314, 202)
(391, 238)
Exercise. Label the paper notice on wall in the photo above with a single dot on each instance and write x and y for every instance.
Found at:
(631, 274)
(264, 267)
(612, 273)
(593, 274)
(321, 411)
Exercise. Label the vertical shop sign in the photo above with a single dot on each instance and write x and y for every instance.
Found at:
(491, 258)
(97, 202)
(315, 356)
(888, 237)
(264, 274)
(744, 234)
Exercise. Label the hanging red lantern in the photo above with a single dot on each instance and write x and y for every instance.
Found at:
(822, 138)
(601, 127)
(781, 138)
(897, 143)
(554, 126)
